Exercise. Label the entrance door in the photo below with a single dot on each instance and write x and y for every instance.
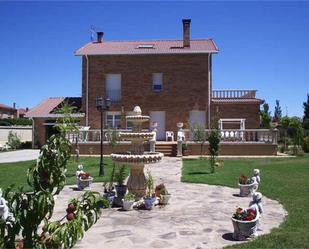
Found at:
(159, 117)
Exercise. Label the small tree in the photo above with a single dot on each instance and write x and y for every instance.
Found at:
(214, 141)
(306, 114)
(265, 116)
(31, 209)
(199, 135)
(278, 111)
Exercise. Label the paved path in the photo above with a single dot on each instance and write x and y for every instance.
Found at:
(19, 155)
(199, 215)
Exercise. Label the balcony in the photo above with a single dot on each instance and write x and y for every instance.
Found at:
(234, 94)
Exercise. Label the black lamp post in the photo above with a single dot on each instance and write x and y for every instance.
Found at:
(102, 105)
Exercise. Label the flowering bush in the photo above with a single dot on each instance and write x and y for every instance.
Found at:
(244, 214)
(245, 180)
(84, 175)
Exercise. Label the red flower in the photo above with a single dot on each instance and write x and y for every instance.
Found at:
(250, 217)
(252, 211)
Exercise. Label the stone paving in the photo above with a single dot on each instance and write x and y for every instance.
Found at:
(198, 215)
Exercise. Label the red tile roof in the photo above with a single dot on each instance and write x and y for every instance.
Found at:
(45, 107)
(237, 101)
(6, 107)
(22, 111)
(159, 47)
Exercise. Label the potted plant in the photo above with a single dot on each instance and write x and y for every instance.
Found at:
(128, 201)
(150, 197)
(120, 177)
(247, 186)
(164, 195)
(84, 181)
(245, 223)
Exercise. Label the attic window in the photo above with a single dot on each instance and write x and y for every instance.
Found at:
(145, 46)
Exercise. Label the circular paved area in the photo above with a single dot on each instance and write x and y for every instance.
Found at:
(198, 215)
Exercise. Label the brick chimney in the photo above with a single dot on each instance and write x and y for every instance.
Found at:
(186, 32)
(100, 37)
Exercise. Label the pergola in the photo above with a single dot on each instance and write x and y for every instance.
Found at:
(240, 121)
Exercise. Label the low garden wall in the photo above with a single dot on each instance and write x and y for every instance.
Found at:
(233, 149)
(23, 132)
(237, 149)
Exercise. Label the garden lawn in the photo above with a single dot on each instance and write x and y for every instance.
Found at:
(16, 173)
(282, 179)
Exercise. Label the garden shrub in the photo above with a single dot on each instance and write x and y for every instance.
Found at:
(306, 144)
(13, 140)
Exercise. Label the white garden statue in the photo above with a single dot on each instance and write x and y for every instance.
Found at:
(80, 169)
(256, 202)
(257, 205)
(256, 176)
(4, 210)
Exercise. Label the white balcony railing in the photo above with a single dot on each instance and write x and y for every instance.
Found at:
(227, 135)
(230, 94)
(237, 135)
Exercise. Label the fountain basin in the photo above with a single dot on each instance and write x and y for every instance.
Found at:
(147, 157)
(136, 136)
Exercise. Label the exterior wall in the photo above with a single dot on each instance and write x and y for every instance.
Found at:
(237, 149)
(39, 132)
(248, 111)
(185, 85)
(23, 132)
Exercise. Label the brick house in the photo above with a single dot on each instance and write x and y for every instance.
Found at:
(171, 80)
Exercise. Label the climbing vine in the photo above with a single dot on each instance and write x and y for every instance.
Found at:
(29, 210)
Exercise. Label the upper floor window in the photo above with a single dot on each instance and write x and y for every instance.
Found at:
(113, 87)
(157, 82)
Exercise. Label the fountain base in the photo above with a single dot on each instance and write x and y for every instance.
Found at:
(137, 180)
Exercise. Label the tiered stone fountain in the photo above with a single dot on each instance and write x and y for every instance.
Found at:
(137, 157)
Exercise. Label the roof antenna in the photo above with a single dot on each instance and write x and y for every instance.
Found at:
(92, 32)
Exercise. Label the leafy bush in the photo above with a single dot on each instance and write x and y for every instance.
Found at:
(306, 144)
(14, 140)
(15, 121)
(26, 145)
(30, 209)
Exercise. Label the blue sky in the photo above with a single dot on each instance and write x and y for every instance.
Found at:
(263, 45)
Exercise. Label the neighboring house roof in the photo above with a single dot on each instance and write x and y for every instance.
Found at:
(237, 101)
(46, 107)
(135, 47)
(6, 107)
(22, 111)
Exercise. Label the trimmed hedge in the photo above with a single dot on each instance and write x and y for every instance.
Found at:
(15, 121)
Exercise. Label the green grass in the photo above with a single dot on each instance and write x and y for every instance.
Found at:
(16, 173)
(282, 179)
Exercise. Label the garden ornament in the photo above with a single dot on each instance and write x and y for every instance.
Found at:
(80, 169)
(256, 176)
(256, 202)
(4, 210)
